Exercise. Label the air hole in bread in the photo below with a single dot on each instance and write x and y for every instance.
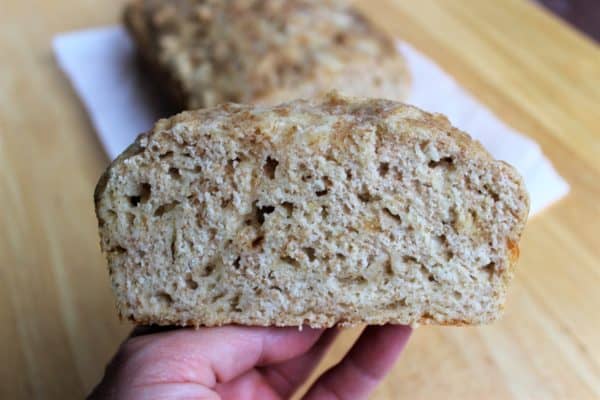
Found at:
(473, 214)
(492, 193)
(383, 169)
(321, 193)
(208, 270)
(173, 248)
(361, 280)
(167, 154)
(165, 208)
(289, 208)
(396, 304)
(431, 278)
(235, 302)
(231, 164)
(340, 256)
(427, 316)
(291, 261)
(175, 173)
(443, 239)
(226, 202)
(217, 297)
(457, 295)
(236, 263)
(270, 167)
(134, 200)
(330, 157)
(390, 214)
(164, 298)
(262, 211)
(349, 174)
(445, 162)
(306, 177)
(310, 253)
(324, 212)
(410, 260)
(258, 242)
(190, 283)
(143, 196)
(387, 267)
(490, 269)
(118, 250)
(366, 197)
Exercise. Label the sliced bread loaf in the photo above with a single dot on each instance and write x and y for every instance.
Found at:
(322, 212)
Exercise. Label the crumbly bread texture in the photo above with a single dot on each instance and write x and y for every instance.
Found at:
(322, 212)
(206, 52)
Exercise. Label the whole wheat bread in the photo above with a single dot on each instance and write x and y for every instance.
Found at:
(322, 212)
(205, 52)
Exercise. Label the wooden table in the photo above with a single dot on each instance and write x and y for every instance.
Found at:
(58, 323)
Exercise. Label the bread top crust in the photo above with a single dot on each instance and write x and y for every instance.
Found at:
(265, 51)
(336, 117)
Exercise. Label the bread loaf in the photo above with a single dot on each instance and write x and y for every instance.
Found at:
(204, 52)
(321, 212)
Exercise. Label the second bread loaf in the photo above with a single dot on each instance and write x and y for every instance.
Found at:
(203, 53)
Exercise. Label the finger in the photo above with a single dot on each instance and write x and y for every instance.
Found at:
(364, 366)
(211, 355)
(250, 385)
(286, 377)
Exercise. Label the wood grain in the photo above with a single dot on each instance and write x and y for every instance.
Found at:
(59, 326)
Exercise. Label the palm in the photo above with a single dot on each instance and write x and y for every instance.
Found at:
(246, 363)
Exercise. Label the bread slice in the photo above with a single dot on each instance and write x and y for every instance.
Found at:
(204, 53)
(322, 212)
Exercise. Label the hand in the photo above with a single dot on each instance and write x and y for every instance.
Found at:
(235, 362)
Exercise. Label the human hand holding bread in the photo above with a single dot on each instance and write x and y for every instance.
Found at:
(323, 212)
(236, 362)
